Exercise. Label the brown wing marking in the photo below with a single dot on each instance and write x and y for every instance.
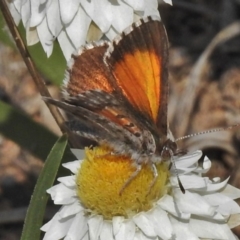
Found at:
(87, 71)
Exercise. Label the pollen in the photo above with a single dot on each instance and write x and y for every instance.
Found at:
(102, 176)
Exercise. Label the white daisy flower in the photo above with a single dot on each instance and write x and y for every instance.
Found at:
(73, 22)
(92, 207)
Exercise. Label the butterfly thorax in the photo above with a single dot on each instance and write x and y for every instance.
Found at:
(154, 149)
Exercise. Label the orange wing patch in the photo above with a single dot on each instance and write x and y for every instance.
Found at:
(138, 76)
(117, 117)
(138, 61)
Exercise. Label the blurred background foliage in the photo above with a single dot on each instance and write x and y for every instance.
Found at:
(197, 102)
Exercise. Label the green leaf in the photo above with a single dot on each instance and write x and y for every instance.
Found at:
(52, 68)
(36, 210)
(27, 133)
(5, 38)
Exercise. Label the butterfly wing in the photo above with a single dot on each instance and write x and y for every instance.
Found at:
(123, 98)
(88, 81)
(99, 128)
(89, 84)
(86, 71)
(138, 60)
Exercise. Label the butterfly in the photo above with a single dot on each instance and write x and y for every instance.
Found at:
(118, 93)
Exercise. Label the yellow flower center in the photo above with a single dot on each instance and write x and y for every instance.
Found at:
(102, 177)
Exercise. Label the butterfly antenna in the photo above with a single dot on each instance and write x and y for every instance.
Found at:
(208, 131)
(106, 155)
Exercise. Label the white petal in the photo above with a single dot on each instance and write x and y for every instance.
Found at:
(95, 10)
(231, 191)
(95, 224)
(161, 223)
(216, 199)
(73, 166)
(45, 37)
(61, 194)
(15, 14)
(57, 229)
(219, 217)
(79, 153)
(206, 166)
(26, 13)
(181, 171)
(68, 9)
(212, 230)
(111, 33)
(31, 36)
(123, 15)
(167, 203)
(126, 231)
(78, 227)
(37, 12)
(168, 1)
(94, 33)
(188, 160)
(53, 18)
(86, 237)
(144, 224)
(234, 220)
(151, 8)
(136, 5)
(181, 230)
(70, 209)
(141, 236)
(193, 203)
(107, 231)
(18, 4)
(117, 223)
(228, 208)
(69, 181)
(213, 187)
(52, 191)
(215, 180)
(47, 225)
(66, 45)
(189, 182)
(77, 30)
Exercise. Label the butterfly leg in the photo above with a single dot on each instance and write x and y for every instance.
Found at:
(106, 155)
(155, 176)
(173, 164)
(139, 168)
